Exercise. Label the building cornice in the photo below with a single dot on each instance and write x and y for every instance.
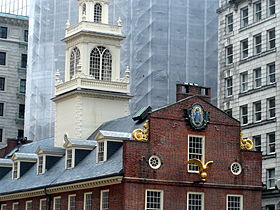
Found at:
(62, 188)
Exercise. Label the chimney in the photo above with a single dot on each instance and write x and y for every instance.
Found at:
(190, 89)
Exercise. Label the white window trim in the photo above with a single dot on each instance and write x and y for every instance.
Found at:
(268, 8)
(257, 112)
(105, 151)
(26, 203)
(85, 194)
(13, 205)
(41, 200)
(43, 164)
(241, 114)
(73, 158)
(244, 83)
(228, 25)
(269, 74)
(69, 197)
(269, 108)
(227, 88)
(101, 198)
(3, 205)
(258, 78)
(268, 179)
(269, 39)
(256, 45)
(197, 193)
(161, 197)
(18, 170)
(268, 143)
(229, 55)
(235, 195)
(255, 11)
(203, 150)
(54, 201)
(243, 17)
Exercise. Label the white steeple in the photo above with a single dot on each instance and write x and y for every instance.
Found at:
(93, 91)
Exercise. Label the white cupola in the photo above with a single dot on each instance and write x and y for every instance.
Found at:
(92, 92)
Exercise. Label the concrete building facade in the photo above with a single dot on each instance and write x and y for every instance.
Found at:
(247, 79)
(13, 66)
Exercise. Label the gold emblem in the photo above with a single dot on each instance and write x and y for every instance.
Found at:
(245, 143)
(141, 134)
(202, 167)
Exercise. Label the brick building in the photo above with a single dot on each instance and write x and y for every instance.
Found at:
(122, 166)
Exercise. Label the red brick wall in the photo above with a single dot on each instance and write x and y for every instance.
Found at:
(11, 144)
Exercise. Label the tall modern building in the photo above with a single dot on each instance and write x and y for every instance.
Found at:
(248, 87)
(167, 42)
(13, 64)
(16, 7)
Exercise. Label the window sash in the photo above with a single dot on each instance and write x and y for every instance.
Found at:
(244, 115)
(271, 108)
(270, 178)
(258, 11)
(245, 49)
(229, 86)
(40, 164)
(258, 78)
(21, 109)
(271, 7)
(15, 206)
(234, 202)
(101, 153)
(16, 170)
(28, 205)
(87, 201)
(229, 55)
(195, 150)
(229, 23)
(257, 143)
(244, 82)
(3, 32)
(71, 202)
(2, 84)
(3, 206)
(69, 159)
(22, 86)
(271, 143)
(271, 39)
(3, 58)
(56, 203)
(154, 200)
(43, 204)
(258, 44)
(23, 60)
(244, 17)
(195, 201)
(104, 200)
(271, 73)
(257, 111)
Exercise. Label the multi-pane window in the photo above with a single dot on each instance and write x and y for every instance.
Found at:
(257, 111)
(244, 17)
(257, 77)
(196, 150)
(74, 61)
(270, 178)
(22, 86)
(1, 134)
(271, 39)
(257, 11)
(258, 44)
(2, 84)
(257, 142)
(23, 61)
(28, 205)
(244, 81)
(271, 7)
(71, 202)
(229, 23)
(16, 170)
(21, 108)
(101, 63)
(195, 201)
(234, 202)
(40, 164)
(97, 13)
(56, 203)
(244, 114)
(104, 200)
(229, 55)
(3, 58)
(229, 87)
(101, 151)
(271, 143)
(154, 200)
(25, 35)
(3, 32)
(87, 201)
(1, 109)
(271, 108)
(15, 206)
(43, 204)
(244, 49)
(271, 73)
(69, 158)
(3, 206)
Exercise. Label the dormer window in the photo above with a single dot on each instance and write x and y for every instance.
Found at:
(97, 13)
(69, 159)
(101, 63)
(101, 149)
(41, 164)
(74, 61)
(16, 170)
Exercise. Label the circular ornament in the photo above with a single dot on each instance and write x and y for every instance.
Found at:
(154, 162)
(235, 168)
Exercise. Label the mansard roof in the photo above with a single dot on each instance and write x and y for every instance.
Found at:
(87, 169)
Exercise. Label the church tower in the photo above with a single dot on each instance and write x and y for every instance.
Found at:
(92, 92)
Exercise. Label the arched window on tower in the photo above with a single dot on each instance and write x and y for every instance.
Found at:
(101, 63)
(84, 9)
(97, 13)
(74, 61)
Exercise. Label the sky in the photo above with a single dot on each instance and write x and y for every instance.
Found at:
(17, 7)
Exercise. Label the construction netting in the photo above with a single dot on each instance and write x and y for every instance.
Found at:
(167, 42)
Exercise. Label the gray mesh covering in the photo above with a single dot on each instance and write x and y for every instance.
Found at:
(168, 41)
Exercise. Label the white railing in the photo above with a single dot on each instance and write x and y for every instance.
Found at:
(84, 83)
(95, 27)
